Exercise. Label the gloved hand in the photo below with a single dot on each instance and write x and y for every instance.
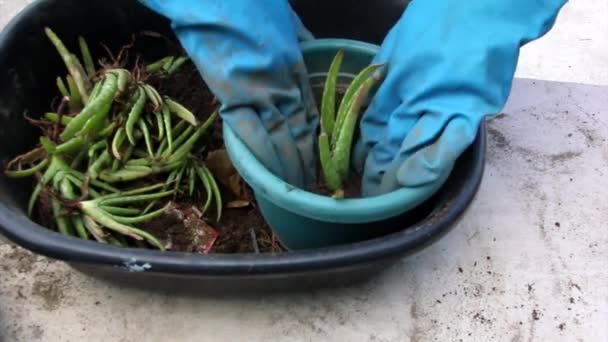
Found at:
(248, 54)
(449, 63)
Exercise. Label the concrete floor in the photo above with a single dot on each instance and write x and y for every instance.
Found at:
(527, 262)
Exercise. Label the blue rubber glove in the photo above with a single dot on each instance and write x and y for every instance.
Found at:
(449, 63)
(248, 54)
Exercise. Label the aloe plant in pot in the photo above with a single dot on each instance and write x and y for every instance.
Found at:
(306, 219)
(338, 128)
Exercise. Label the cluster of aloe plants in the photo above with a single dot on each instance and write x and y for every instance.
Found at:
(113, 158)
(338, 127)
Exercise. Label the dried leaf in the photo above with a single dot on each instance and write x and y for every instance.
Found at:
(220, 165)
(200, 236)
(205, 235)
(235, 185)
(238, 204)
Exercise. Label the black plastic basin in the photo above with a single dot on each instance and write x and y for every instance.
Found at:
(28, 68)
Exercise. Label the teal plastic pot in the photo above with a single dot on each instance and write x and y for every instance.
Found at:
(302, 219)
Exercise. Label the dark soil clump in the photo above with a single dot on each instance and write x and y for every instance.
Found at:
(182, 229)
(245, 231)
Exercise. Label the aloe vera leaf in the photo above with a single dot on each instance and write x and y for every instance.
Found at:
(136, 191)
(58, 178)
(75, 102)
(71, 146)
(67, 191)
(144, 129)
(330, 173)
(89, 66)
(54, 117)
(341, 155)
(191, 180)
(100, 145)
(130, 174)
(95, 90)
(120, 210)
(328, 104)
(62, 88)
(142, 168)
(104, 133)
(91, 209)
(27, 172)
(183, 150)
(139, 162)
(48, 145)
(85, 79)
(139, 153)
(99, 107)
(187, 133)
(63, 224)
(117, 142)
(123, 77)
(135, 198)
(134, 114)
(154, 96)
(216, 192)
(33, 199)
(168, 63)
(145, 161)
(176, 65)
(78, 159)
(151, 97)
(180, 127)
(208, 190)
(123, 175)
(80, 176)
(129, 152)
(95, 229)
(72, 64)
(115, 165)
(163, 149)
(98, 127)
(170, 179)
(57, 164)
(92, 192)
(349, 96)
(103, 159)
(160, 126)
(141, 218)
(178, 178)
(28, 157)
(81, 229)
(168, 129)
(181, 112)
(156, 66)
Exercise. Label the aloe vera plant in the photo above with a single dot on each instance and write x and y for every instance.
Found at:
(338, 126)
(95, 160)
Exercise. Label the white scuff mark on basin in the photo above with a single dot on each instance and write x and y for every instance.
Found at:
(133, 266)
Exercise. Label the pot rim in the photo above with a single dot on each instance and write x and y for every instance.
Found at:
(17, 227)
